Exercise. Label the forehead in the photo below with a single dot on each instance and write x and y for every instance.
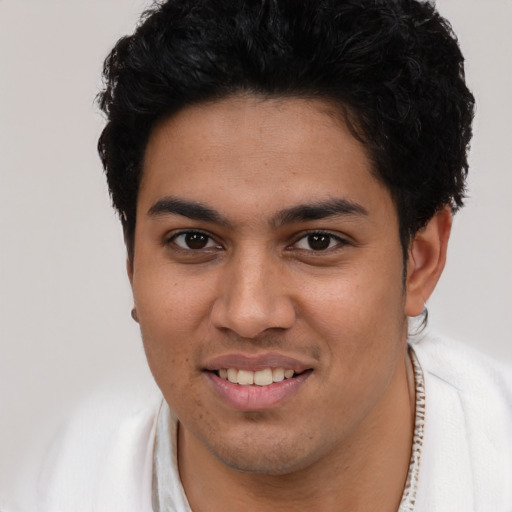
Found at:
(260, 153)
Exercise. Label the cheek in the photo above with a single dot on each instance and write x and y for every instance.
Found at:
(168, 303)
(358, 313)
(356, 300)
(170, 311)
(168, 318)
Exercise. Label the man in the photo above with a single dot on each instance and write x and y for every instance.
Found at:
(286, 174)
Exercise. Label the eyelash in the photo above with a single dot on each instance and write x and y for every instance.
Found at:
(339, 242)
(172, 240)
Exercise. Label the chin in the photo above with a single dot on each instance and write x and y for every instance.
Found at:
(268, 464)
(273, 457)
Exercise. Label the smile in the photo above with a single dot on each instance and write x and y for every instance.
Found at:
(247, 390)
(263, 377)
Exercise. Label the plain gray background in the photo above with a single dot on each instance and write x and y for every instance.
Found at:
(64, 297)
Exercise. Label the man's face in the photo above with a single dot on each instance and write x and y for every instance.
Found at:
(264, 246)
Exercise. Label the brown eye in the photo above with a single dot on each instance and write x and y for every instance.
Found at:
(196, 240)
(193, 240)
(319, 241)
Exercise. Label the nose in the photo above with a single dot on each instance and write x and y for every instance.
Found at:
(254, 296)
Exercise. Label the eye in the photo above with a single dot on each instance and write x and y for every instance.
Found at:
(193, 240)
(318, 241)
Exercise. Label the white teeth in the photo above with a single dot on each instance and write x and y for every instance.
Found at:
(232, 375)
(278, 374)
(259, 378)
(263, 377)
(245, 378)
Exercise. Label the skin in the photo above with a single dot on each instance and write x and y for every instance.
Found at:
(342, 439)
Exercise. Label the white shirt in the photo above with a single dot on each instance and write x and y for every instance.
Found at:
(107, 457)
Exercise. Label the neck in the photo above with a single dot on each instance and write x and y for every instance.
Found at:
(367, 472)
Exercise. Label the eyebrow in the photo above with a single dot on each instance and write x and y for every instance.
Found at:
(319, 210)
(300, 213)
(190, 209)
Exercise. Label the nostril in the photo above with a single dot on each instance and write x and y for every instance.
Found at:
(249, 318)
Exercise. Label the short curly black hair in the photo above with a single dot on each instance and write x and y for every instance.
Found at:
(393, 67)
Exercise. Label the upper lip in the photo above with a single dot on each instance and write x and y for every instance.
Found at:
(256, 362)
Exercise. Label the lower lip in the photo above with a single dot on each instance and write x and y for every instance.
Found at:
(256, 398)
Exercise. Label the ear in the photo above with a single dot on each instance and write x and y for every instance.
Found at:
(427, 257)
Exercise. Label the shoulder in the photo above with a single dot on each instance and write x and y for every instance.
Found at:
(101, 459)
(473, 374)
(467, 456)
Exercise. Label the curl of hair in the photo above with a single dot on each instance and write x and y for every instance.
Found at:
(393, 67)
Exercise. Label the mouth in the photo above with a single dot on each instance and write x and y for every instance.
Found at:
(259, 390)
(263, 377)
(256, 382)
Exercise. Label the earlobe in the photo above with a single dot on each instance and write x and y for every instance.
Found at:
(427, 258)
